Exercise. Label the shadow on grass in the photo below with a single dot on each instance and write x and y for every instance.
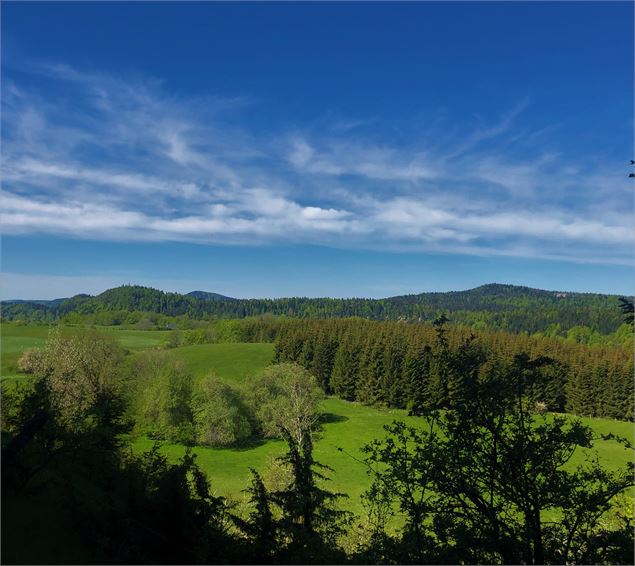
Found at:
(328, 418)
(248, 444)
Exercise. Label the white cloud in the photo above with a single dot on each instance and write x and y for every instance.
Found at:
(128, 162)
(380, 163)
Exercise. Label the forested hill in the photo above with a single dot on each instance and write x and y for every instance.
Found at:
(505, 307)
(205, 296)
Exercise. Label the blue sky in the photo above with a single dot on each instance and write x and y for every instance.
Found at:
(342, 149)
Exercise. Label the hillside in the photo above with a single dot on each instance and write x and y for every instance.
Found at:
(205, 296)
(46, 303)
(506, 307)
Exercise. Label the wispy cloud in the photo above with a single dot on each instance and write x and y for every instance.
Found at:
(105, 157)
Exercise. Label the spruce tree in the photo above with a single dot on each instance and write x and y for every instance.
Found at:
(260, 528)
(392, 382)
(323, 360)
(416, 375)
(370, 386)
(345, 369)
(311, 522)
(437, 392)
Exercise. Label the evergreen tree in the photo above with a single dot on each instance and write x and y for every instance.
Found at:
(260, 528)
(389, 364)
(323, 360)
(311, 522)
(462, 371)
(346, 369)
(416, 375)
(626, 306)
(581, 393)
(392, 383)
(369, 389)
(437, 392)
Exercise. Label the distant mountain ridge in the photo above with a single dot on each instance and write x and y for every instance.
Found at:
(44, 302)
(205, 296)
(499, 306)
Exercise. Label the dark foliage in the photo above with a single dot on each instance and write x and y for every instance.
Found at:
(475, 482)
(401, 365)
(626, 306)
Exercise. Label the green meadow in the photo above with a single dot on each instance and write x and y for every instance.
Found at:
(18, 338)
(346, 426)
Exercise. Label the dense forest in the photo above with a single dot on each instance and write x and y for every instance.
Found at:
(501, 307)
(393, 364)
(389, 363)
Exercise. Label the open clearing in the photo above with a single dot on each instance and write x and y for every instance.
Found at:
(347, 425)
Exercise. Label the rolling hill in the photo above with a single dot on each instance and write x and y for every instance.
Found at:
(506, 307)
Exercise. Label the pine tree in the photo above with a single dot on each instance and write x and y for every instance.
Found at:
(370, 386)
(581, 393)
(307, 354)
(391, 382)
(323, 360)
(345, 369)
(462, 371)
(437, 392)
(311, 521)
(416, 375)
(260, 528)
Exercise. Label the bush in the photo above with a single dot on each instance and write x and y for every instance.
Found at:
(285, 396)
(163, 396)
(221, 418)
(202, 335)
(31, 360)
(80, 372)
(175, 339)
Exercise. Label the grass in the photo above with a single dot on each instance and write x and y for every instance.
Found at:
(235, 363)
(347, 425)
(15, 339)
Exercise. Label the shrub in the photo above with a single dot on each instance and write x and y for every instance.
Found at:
(80, 372)
(31, 360)
(175, 339)
(221, 418)
(163, 396)
(285, 396)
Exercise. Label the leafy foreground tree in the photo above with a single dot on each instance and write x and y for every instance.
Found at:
(160, 400)
(488, 480)
(285, 398)
(219, 414)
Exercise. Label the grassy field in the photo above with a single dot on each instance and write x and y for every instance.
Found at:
(347, 425)
(235, 363)
(15, 339)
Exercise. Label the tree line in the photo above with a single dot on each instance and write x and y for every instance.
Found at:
(502, 307)
(396, 364)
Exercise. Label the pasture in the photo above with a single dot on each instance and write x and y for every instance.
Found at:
(346, 425)
(15, 339)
